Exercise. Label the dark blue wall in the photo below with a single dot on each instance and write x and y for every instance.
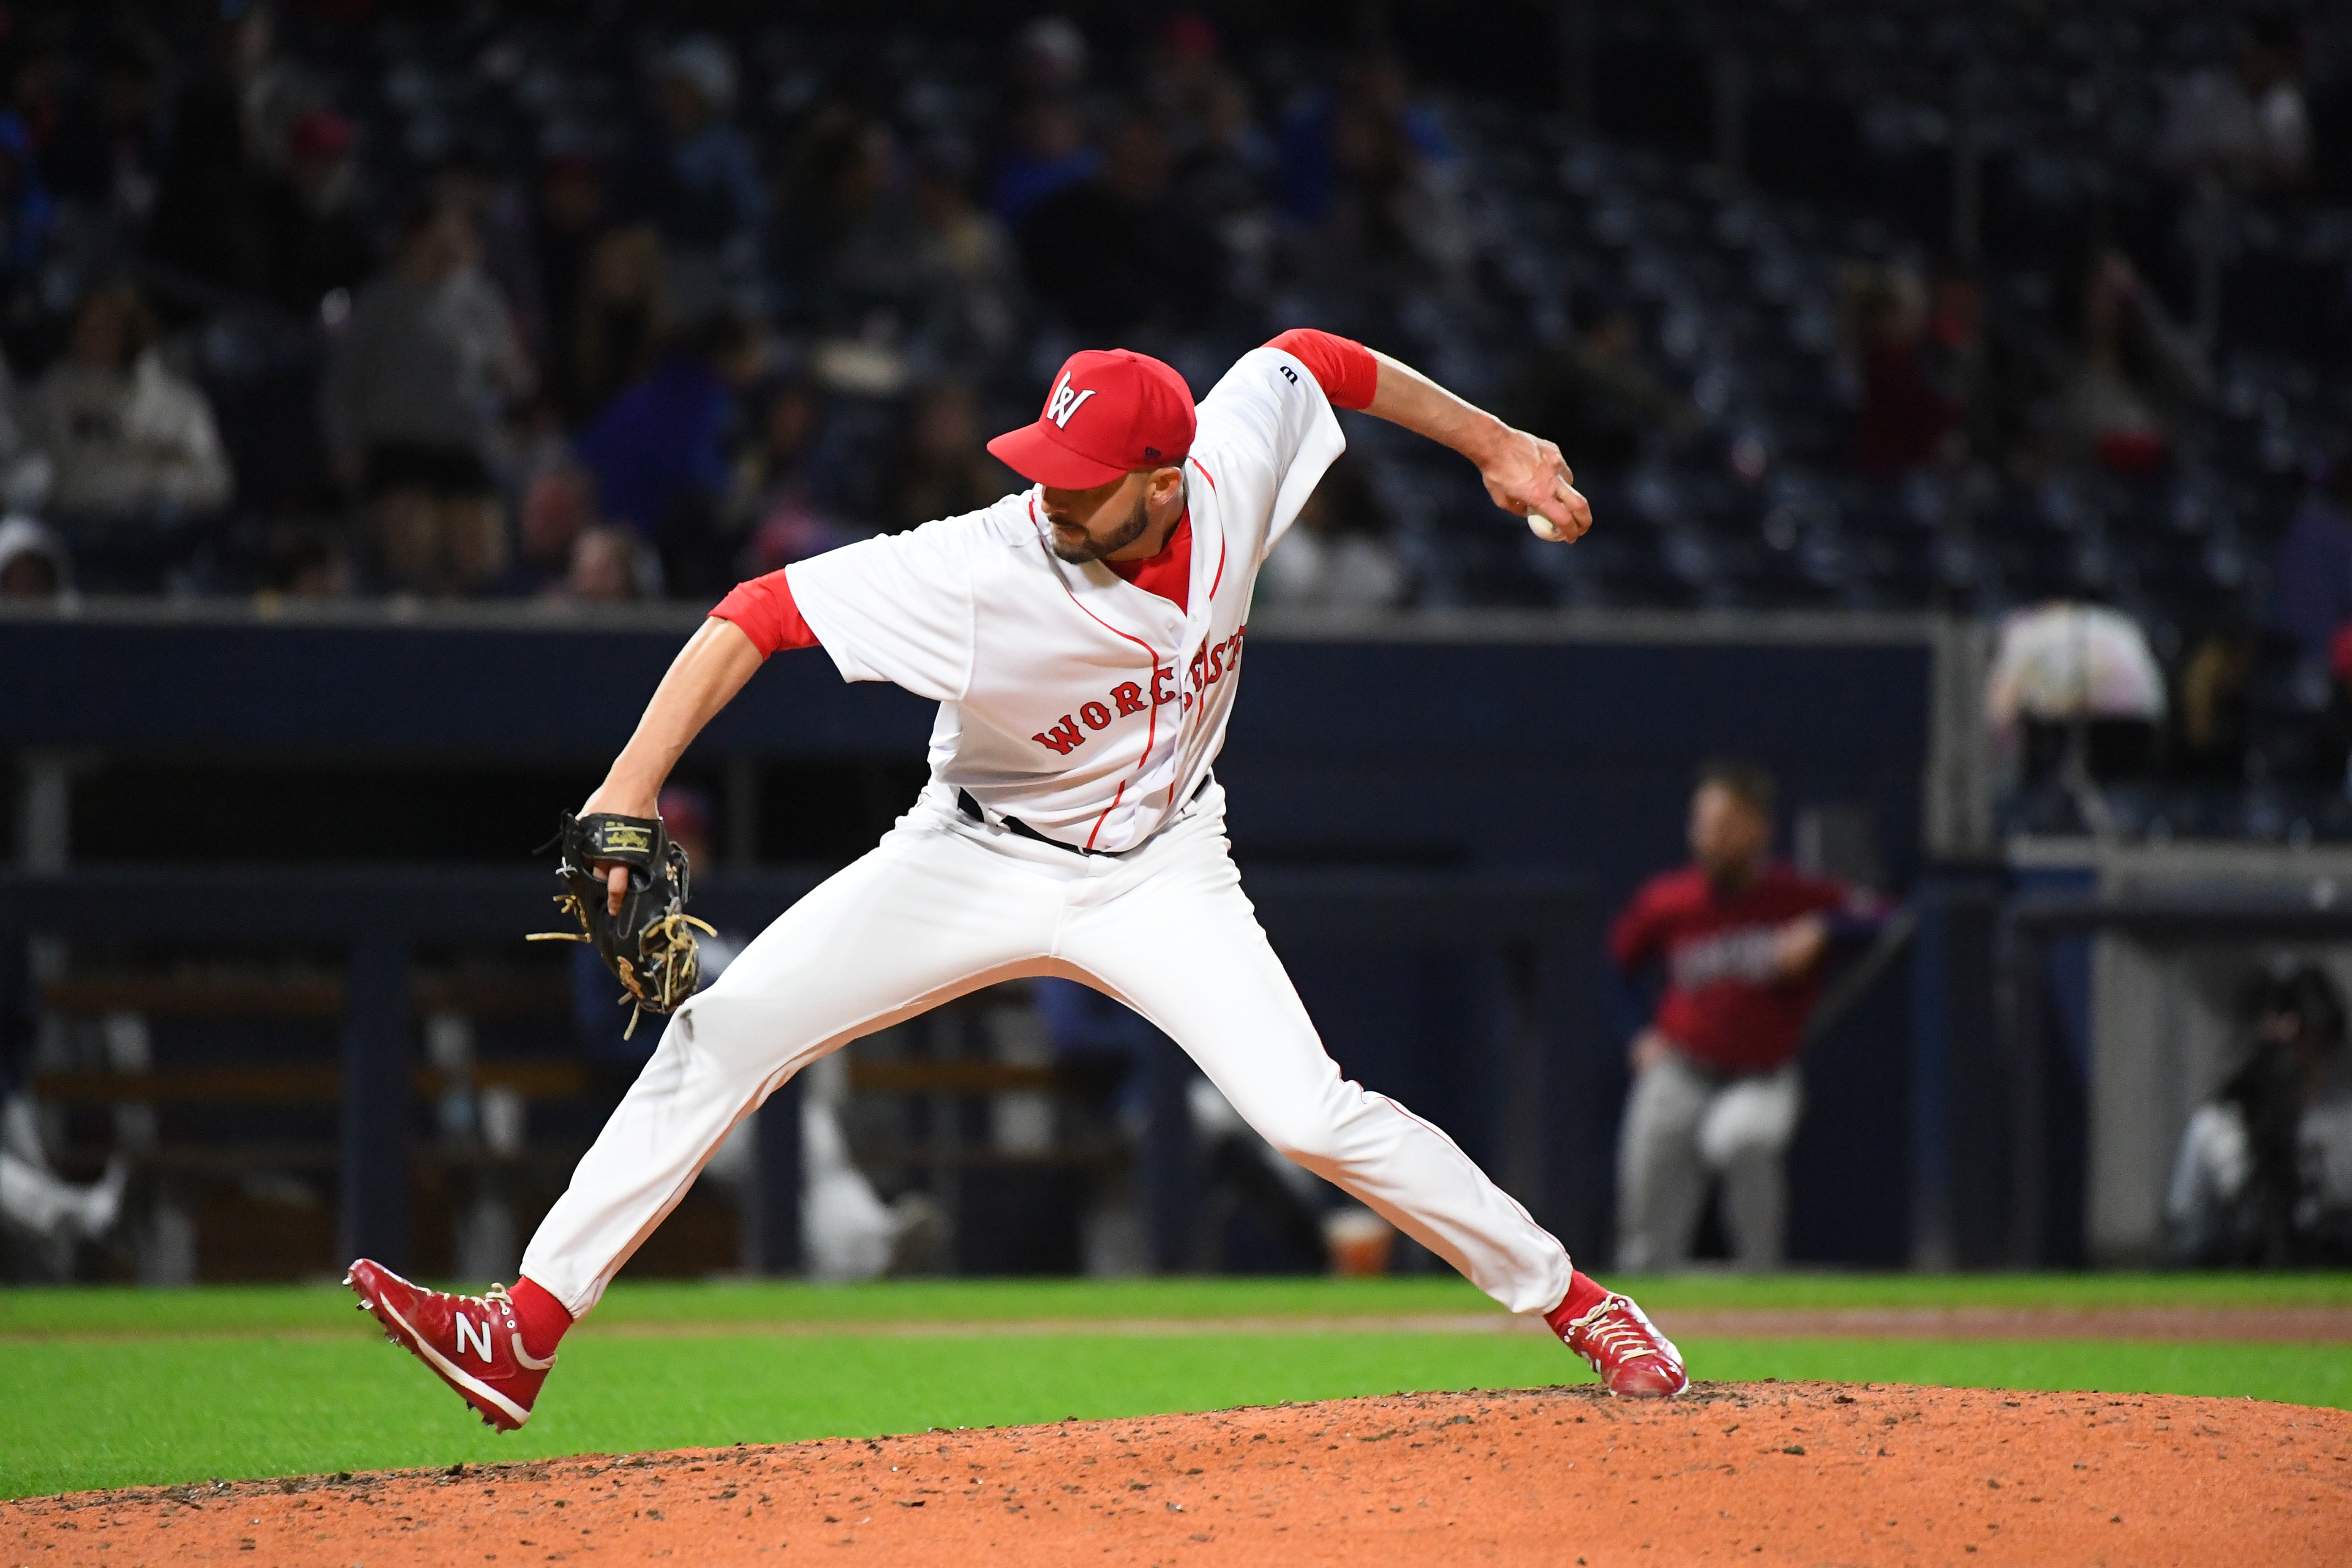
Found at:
(506, 693)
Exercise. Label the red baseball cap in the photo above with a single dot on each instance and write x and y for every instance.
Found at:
(1111, 412)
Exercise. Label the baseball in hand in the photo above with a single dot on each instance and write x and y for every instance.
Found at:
(1542, 527)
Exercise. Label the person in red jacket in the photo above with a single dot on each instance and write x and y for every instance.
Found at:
(1716, 1090)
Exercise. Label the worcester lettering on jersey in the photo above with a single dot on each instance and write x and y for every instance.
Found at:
(1128, 697)
(1087, 707)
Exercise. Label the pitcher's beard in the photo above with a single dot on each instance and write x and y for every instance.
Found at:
(1092, 549)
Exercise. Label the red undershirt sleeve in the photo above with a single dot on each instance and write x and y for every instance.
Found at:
(764, 609)
(1347, 372)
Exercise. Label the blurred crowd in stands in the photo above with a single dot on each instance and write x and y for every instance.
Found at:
(325, 300)
(1863, 307)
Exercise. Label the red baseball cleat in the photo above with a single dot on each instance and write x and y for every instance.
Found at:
(1634, 1361)
(472, 1342)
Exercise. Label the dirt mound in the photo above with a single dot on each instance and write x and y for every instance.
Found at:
(1764, 1473)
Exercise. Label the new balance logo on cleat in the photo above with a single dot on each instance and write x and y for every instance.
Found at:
(473, 1344)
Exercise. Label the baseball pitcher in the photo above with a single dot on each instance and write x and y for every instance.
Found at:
(1084, 639)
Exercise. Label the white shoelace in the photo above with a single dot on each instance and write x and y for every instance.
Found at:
(1604, 1331)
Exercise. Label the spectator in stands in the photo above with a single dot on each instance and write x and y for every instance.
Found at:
(2074, 691)
(2247, 126)
(883, 250)
(849, 238)
(27, 212)
(2211, 742)
(210, 225)
(1600, 398)
(1115, 255)
(1371, 175)
(269, 87)
(2328, 743)
(413, 392)
(557, 505)
(1047, 150)
(570, 219)
(659, 450)
(2134, 367)
(1977, 363)
(1338, 555)
(103, 151)
(942, 468)
(790, 520)
(498, 210)
(1224, 162)
(695, 179)
(1050, 152)
(1049, 55)
(1903, 417)
(33, 562)
(134, 445)
(620, 321)
(36, 86)
(2264, 1175)
(609, 565)
(1717, 1088)
(306, 560)
(318, 244)
(967, 277)
(27, 475)
(1184, 79)
(1313, 171)
(2311, 578)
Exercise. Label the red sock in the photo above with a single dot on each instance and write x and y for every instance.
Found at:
(1582, 1296)
(543, 1318)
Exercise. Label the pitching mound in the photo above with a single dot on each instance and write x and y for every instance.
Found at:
(1747, 1472)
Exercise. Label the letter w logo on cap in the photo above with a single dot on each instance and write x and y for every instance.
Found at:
(1064, 402)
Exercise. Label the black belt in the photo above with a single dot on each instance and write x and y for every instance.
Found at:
(970, 808)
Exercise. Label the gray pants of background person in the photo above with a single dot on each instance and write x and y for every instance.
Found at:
(1685, 1125)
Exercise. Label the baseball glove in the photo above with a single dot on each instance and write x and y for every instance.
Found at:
(649, 945)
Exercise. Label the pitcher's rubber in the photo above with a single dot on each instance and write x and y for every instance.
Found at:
(1760, 1473)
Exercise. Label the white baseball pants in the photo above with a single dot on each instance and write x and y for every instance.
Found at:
(1684, 1127)
(943, 906)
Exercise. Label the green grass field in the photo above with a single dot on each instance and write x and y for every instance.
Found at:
(117, 1387)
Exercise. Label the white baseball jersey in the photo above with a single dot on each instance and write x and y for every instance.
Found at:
(1089, 709)
(1086, 707)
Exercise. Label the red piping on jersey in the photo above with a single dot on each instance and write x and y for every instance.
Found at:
(1221, 536)
(1151, 725)
(1214, 584)
(1119, 797)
